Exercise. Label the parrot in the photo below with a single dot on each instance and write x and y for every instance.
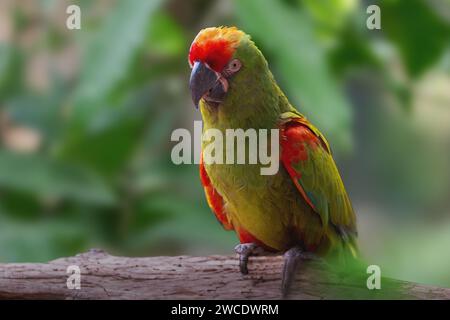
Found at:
(301, 211)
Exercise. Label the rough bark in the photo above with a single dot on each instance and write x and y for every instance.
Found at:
(185, 277)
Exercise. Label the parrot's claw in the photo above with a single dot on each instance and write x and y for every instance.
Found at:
(245, 250)
(292, 258)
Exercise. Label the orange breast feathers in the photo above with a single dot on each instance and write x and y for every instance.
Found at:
(215, 200)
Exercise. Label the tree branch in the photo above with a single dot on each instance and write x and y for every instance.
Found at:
(213, 277)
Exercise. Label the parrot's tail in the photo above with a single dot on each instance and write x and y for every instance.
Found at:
(343, 248)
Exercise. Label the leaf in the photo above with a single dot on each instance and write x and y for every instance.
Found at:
(287, 37)
(11, 70)
(109, 142)
(353, 51)
(179, 222)
(40, 241)
(110, 51)
(166, 37)
(45, 177)
(419, 34)
(322, 10)
(97, 123)
(39, 112)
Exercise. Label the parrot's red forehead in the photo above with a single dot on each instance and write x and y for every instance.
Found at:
(215, 46)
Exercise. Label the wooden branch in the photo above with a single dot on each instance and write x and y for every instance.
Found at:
(213, 277)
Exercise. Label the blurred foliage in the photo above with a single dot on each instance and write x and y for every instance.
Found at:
(86, 117)
(416, 31)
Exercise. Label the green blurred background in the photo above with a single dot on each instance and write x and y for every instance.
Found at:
(86, 117)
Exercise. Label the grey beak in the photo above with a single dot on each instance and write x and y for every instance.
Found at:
(202, 80)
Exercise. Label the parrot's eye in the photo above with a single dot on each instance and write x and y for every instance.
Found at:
(235, 65)
(232, 67)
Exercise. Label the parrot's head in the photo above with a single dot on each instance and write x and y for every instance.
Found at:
(226, 66)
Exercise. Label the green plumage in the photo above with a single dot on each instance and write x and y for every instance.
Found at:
(271, 208)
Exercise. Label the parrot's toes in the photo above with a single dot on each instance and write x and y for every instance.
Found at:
(245, 250)
(292, 258)
(243, 262)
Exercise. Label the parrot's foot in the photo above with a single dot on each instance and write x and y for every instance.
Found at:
(245, 250)
(292, 258)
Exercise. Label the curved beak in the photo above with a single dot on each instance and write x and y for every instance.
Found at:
(202, 81)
